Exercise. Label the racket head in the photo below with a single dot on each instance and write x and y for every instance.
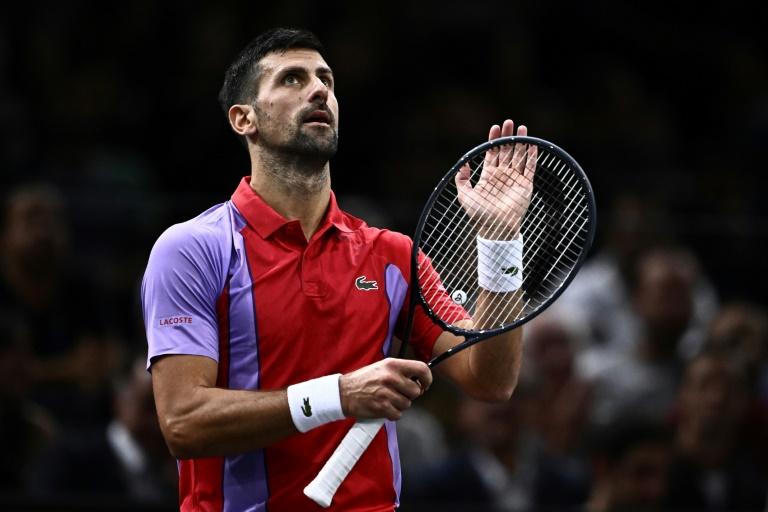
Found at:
(558, 230)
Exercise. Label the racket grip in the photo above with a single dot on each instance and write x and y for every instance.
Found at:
(322, 489)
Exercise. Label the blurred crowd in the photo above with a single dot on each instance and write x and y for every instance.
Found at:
(644, 387)
(641, 390)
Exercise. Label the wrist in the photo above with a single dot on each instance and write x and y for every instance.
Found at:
(315, 402)
(500, 264)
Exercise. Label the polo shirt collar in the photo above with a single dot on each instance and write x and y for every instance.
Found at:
(266, 221)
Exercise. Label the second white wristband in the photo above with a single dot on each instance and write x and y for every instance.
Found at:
(315, 402)
(500, 264)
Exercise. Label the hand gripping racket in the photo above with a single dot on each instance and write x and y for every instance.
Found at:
(511, 187)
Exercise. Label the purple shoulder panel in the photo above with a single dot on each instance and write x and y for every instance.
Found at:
(186, 273)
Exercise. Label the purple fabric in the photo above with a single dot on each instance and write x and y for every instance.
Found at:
(245, 480)
(185, 275)
(394, 453)
(397, 287)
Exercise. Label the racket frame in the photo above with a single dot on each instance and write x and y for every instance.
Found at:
(472, 337)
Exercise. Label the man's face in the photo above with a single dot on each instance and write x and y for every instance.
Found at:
(296, 108)
(640, 479)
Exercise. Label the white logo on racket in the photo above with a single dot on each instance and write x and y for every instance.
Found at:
(459, 297)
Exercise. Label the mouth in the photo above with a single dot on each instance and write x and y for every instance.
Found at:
(320, 117)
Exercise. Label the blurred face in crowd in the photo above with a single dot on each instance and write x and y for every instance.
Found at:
(494, 426)
(35, 234)
(741, 332)
(664, 293)
(711, 395)
(640, 477)
(550, 349)
(296, 108)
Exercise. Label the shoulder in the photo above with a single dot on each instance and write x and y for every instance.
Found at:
(201, 246)
(209, 230)
(385, 239)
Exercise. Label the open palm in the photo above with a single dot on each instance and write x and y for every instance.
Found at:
(499, 200)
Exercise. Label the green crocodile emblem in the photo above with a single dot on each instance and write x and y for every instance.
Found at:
(306, 408)
(510, 271)
(364, 285)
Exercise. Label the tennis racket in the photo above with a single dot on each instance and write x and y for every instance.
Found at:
(510, 187)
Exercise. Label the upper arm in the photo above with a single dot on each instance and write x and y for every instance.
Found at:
(182, 282)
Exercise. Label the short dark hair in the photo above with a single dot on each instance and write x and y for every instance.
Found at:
(242, 75)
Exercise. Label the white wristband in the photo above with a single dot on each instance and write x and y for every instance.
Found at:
(500, 264)
(315, 402)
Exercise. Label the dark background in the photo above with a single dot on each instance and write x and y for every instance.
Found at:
(114, 103)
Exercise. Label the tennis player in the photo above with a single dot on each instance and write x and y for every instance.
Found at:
(269, 317)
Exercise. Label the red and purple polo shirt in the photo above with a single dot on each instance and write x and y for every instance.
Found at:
(242, 285)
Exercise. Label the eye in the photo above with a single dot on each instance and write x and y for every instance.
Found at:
(290, 79)
(326, 81)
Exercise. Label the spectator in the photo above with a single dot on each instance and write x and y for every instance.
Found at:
(715, 467)
(740, 332)
(551, 344)
(128, 461)
(630, 461)
(601, 293)
(645, 380)
(71, 359)
(25, 427)
(494, 469)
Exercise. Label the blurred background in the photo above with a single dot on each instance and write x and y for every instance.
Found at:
(644, 388)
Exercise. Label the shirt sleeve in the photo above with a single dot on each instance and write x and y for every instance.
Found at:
(179, 292)
(425, 330)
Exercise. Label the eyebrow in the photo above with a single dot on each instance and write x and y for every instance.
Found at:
(321, 70)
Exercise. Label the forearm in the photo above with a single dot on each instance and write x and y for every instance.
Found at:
(492, 366)
(214, 422)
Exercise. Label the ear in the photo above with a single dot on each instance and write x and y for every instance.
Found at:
(242, 119)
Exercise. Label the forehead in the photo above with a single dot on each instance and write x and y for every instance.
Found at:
(296, 57)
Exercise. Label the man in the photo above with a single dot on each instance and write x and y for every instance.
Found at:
(269, 317)
(127, 460)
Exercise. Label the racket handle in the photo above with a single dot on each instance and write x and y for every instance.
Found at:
(322, 489)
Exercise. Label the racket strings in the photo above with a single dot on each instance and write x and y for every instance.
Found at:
(454, 223)
(554, 234)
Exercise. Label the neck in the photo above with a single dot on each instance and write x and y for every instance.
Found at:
(298, 188)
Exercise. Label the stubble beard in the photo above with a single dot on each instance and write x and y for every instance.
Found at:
(306, 149)
(297, 159)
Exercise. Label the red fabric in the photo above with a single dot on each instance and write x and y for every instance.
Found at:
(313, 320)
(200, 480)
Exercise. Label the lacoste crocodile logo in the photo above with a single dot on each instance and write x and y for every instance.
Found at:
(510, 271)
(362, 284)
(306, 408)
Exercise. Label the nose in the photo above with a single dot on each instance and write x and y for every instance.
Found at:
(319, 91)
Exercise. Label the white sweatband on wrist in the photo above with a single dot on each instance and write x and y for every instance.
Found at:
(315, 402)
(500, 264)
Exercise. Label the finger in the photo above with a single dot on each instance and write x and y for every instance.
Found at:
(492, 155)
(508, 128)
(530, 164)
(421, 373)
(505, 154)
(518, 159)
(409, 388)
(522, 130)
(416, 370)
(400, 402)
(463, 183)
(494, 133)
